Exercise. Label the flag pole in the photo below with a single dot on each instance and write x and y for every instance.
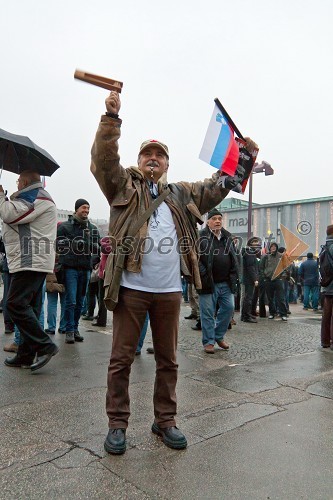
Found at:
(226, 115)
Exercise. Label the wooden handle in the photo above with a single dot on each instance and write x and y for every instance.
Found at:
(99, 81)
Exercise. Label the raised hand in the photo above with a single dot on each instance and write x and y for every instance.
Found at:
(112, 103)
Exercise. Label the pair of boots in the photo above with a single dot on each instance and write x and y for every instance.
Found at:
(72, 337)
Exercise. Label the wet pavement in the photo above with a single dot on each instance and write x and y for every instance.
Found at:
(258, 419)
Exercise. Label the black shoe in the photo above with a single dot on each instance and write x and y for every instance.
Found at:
(50, 332)
(78, 337)
(250, 320)
(197, 327)
(43, 359)
(137, 353)
(8, 330)
(61, 331)
(86, 317)
(69, 338)
(171, 436)
(191, 316)
(96, 323)
(19, 362)
(115, 442)
(288, 312)
(150, 350)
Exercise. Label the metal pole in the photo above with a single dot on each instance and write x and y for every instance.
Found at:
(249, 209)
(228, 118)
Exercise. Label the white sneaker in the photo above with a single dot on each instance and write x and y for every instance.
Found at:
(284, 318)
(271, 316)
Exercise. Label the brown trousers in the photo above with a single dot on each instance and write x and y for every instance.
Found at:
(128, 319)
(327, 322)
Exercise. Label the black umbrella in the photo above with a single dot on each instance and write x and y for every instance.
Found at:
(18, 153)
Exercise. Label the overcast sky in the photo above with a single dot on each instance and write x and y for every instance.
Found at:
(268, 62)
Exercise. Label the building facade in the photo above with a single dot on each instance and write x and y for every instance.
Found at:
(307, 219)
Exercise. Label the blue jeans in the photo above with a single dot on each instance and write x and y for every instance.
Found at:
(6, 283)
(214, 330)
(17, 336)
(42, 315)
(52, 306)
(311, 293)
(286, 287)
(76, 281)
(143, 334)
(185, 289)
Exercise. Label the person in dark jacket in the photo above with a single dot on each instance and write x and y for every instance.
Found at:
(327, 318)
(309, 274)
(274, 287)
(250, 277)
(77, 243)
(219, 269)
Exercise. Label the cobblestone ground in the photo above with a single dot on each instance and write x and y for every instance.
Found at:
(266, 340)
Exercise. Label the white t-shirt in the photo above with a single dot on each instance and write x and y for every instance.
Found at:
(160, 270)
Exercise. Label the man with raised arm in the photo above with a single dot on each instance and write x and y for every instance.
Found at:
(160, 250)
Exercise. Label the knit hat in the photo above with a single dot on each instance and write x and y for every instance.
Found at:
(214, 212)
(329, 230)
(81, 202)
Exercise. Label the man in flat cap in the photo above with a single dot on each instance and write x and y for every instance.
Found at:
(219, 271)
(160, 250)
(77, 245)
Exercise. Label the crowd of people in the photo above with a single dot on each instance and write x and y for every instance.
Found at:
(138, 272)
(246, 276)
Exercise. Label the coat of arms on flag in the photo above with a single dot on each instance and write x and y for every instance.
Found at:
(220, 149)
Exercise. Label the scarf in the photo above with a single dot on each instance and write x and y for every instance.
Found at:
(83, 222)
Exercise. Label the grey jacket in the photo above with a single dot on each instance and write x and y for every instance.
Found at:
(29, 229)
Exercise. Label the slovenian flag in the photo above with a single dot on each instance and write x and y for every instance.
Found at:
(220, 148)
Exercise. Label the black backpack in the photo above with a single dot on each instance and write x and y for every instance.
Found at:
(325, 266)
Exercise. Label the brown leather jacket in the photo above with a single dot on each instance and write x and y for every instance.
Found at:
(128, 195)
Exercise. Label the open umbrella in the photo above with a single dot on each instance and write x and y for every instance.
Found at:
(18, 153)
